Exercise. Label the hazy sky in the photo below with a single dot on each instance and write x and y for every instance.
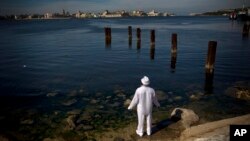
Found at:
(179, 7)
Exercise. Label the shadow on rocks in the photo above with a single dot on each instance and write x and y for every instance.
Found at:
(165, 123)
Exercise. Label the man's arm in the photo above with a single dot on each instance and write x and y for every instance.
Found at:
(134, 102)
(155, 101)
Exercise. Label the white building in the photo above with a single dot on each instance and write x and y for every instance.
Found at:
(48, 16)
(107, 14)
(153, 13)
(138, 13)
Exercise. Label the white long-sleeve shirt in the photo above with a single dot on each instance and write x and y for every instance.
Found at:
(144, 98)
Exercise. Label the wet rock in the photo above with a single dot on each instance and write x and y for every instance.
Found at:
(119, 139)
(57, 112)
(93, 101)
(70, 125)
(170, 100)
(84, 117)
(81, 91)
(98, 94)
(97, 116)
(170, 93)
(74, 112)
(101, 107)
(177, 98)
(73, 93)
(69, 102)
(54, 139)
(195, 95)
(185, 117)
(84, 127)
(27, 122)
(85, 99)
(116, 104)
(52, 94)
(240, 90)
(108, 97)
(161, 95)
(127, 102)
(121, 95)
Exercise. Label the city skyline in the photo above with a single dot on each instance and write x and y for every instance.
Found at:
(180, 7)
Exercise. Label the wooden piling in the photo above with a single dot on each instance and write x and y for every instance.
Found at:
(174, 43)
(152, 37)
(138, 33)
(211, 56)
(108, 35)
(245, 31)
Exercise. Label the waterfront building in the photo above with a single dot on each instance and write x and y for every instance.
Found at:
(107, 14)
(138, 13)
(153, 13)
(80, 14)
(48, 16)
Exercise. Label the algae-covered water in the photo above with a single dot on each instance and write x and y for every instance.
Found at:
(58, 78)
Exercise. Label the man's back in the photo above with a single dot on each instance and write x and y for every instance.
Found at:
(146, 97)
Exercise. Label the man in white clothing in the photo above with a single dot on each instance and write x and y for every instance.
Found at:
(144, 98)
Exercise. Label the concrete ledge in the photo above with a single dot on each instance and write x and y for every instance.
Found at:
(215, 128)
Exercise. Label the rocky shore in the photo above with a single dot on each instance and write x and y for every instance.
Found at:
(80, 116)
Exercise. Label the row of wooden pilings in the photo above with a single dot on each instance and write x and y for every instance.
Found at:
(209, 66)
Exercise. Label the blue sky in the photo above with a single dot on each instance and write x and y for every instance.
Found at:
(180, 7)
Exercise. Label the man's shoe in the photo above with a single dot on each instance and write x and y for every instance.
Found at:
(140, 134)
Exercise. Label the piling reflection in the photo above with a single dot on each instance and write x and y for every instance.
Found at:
(138, 44)
(245, 30)
(209, 82)
(152, 52)
(130, 42)
(173, 61)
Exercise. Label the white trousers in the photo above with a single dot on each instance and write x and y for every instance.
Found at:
(141, 118)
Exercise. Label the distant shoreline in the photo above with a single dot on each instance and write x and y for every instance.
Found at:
(67, 18)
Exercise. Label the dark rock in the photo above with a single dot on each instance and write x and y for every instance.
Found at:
(70, 124)
(238, 92)
(178, 98)
(73, 93)
(119, 139)
(93, 101)
(84, 127)
(116, 104)
(54, 139)
(52, 94)
(74, 112)
(69, 102)
(161, 95)
(27, 121)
